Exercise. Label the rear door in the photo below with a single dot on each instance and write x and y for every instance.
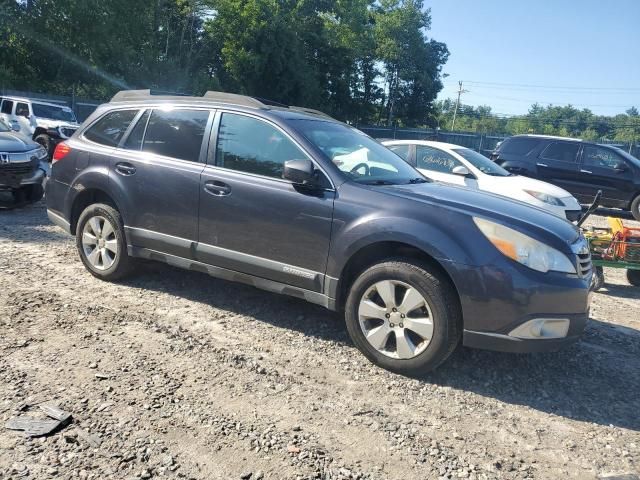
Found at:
(558, 163)
(599, 168)
(251, 219)
(156, 168)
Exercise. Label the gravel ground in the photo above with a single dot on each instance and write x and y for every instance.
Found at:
(174, 374)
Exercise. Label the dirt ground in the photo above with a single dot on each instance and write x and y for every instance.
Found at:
(174, 374)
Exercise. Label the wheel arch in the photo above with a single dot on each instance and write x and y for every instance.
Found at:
(88, 197)
(378, 252)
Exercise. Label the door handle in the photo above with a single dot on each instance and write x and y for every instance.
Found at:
(586, 171)
(125, 168)
(542, 164)
(217, 188)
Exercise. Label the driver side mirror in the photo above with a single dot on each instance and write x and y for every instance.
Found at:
(461, 170)
(620, 167)
(299, 171)
(15, 127)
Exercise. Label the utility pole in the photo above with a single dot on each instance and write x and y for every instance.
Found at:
(460, 92)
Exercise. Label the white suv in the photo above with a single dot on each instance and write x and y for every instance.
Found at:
(46, 123)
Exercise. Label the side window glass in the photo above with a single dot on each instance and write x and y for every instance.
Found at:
(600, 157)
(561, 151)
(7, 106)
(176, 133)
(134, 140)
(250, 145)
(22, 110)
(109, 129)
(435, 160)
(401, 150)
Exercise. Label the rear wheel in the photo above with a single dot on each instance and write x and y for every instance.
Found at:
(101, 242)
(633, 276)
(635, 208)
(403, 316)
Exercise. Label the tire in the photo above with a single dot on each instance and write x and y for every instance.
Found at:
(633, 277)
(44, 140)
(110, 261)
(635, 208)
(439, 304)
(598, 281)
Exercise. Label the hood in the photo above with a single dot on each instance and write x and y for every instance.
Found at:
(520, 216)
(49, 123)
(526, 183)
(16, 142)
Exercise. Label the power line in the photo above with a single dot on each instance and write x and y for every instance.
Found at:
(554, 87)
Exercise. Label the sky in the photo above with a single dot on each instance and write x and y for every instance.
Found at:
(513, 53)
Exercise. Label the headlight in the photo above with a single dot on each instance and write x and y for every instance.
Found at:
(524, 249)
(546, 198)
(42, 153)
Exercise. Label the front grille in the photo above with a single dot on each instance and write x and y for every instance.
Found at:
(584, 264)
(16, 168)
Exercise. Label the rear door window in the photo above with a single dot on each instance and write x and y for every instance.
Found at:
(109, 129)
(134, 140)
(176, 133)
(561, 152)
(22, 110)
(401, 150)
(518, 146)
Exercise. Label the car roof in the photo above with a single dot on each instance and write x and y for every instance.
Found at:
(548, 137)
(34, 100)
(140, 98)
(428, 143)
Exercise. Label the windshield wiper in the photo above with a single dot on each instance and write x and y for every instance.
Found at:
(378, 182)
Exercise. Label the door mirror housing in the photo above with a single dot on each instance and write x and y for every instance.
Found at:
(620, 167)
(461, 170)
(15, 127)
(299, 171)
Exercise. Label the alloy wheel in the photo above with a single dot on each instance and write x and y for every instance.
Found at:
(99, 242)
(396, 319)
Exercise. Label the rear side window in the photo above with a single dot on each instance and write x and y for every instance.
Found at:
(518, 146)
(251, 145)
(109, 129)
(176, 133)
(401, 150)
(7, 106)
(561, 151)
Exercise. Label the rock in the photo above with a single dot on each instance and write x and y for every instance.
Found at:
(246, 475)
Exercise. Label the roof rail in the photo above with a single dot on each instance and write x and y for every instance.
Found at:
(309, 110)
(234, 98)
(131, 95)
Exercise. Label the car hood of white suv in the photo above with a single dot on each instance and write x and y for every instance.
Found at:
(49, 123)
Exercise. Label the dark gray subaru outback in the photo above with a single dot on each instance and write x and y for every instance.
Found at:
(292, 201)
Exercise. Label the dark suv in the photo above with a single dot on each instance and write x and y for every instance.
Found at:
(580, 167)
(292, 201)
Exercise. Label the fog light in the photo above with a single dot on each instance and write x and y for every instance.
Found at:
(541, 328)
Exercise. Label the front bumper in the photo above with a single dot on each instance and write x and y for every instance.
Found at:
(35, 178)
(506, 343)
(498, 299)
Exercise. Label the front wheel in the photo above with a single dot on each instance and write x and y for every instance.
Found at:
(403, 316)
(101, 242)
(598, 279)
(44, 140)
(633, 277)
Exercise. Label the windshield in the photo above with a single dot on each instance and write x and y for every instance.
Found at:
(54, 113)
(481, 162)
(360, 157)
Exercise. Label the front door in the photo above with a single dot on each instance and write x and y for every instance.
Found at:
(601, 170)
(251, 219)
